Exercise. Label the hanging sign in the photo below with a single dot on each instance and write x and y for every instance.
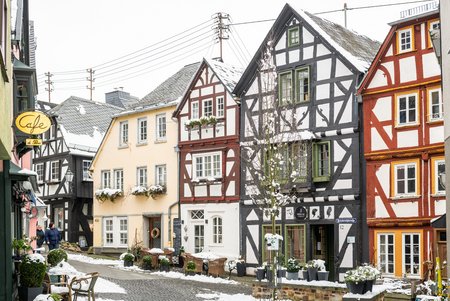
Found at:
(301, 213)
(33, 142)
(33, 122)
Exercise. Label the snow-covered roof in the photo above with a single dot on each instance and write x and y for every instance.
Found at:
(44, 106)
(227, 74)
(83, 122)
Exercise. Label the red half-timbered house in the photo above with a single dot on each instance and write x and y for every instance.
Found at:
(403, 147)
(208, 139)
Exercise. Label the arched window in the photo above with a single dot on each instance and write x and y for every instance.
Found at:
(217, 230)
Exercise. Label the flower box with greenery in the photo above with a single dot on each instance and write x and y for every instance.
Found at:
(127, 258)
(140, 190)
(55, 256)
(51, 297)
(155, 190)
(106, 194)
(164, 264)
(32, 271)
(292, 269)
(361, 279)
(146, 262)
(202, 121)
(190, 268)
(21, 247)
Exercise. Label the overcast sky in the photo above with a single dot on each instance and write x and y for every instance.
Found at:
(74, 35)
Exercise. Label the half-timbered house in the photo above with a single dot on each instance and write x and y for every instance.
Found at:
(404, 148)
(71, 143)
(318, 66)
(208, 140)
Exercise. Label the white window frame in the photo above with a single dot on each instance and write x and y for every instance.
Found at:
(39, 169)
(436, 176)
(108, 233)
(86, 174)
(123, 231)
(123, 135)
(440, 105)
(199, 240)
(118, 179)
(379, 248)
(405, 166)
(116, 231)
(142, 130)
(412, 253)
(220, 106)
(55, 171)
(217, 230)
(161, 175)
(142, 176)
(200, 165)
(210, 107)
(406, 97)
(399, 39)
(161, 127)
(106, 178)
(195, 110)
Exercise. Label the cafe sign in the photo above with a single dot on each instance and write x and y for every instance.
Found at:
(33, 122)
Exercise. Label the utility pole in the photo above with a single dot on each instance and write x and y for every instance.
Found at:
(49, 83)
(222, 29)
(91, 80)
(345, 15)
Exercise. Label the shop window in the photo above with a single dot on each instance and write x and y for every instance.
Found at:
(295, 242)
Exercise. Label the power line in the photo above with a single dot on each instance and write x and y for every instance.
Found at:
(371, 6)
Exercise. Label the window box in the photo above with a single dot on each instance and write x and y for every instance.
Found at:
(202, 121)
(108, 194)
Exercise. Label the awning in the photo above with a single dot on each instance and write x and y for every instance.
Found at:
(24, 174)
(438, 222)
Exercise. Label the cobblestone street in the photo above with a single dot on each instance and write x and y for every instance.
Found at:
(140, 286)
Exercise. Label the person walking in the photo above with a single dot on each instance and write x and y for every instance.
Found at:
(52, 236)
(40, 236)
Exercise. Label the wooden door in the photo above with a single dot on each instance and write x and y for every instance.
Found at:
(155, 232)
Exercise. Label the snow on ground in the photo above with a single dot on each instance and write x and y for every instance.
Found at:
(90, 260)
(313, 283)
(199, 278)
(226, 297)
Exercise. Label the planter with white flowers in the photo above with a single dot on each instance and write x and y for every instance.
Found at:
(316, 268)
(361, 279)
(292, 269)
(108, 194)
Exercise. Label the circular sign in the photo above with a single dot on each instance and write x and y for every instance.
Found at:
(33, 122)
(301, 213)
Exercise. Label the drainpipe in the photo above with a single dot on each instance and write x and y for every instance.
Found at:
(177, 150)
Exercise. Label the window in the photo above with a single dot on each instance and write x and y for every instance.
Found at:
(86, 174)
(405, 179)
(118, 179)
(437, 168)
(293, 36)
(115, 231)
(199, 238)
(54, 171)
(208, 165)
(161, 175)
(161, 127)
(295, 242)
(194, 110)
(407, 109)
(207, 107)
(285, 87)
(123, 133)
(405, 40)
(142, 176)
(197, 214)
(302, 80)
(436, 106)
(433, 24)
(106, 179)
(322, 166)
(220, 112)
(295, 169)
(386, 253)
(39, 169)
(217, 230)
(411, 254)
(142, 130)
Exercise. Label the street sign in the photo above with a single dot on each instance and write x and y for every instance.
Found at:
(346, 220)
(33, 142)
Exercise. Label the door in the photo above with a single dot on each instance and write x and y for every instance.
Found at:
(154, 224)
(442, 250)
(323, 246)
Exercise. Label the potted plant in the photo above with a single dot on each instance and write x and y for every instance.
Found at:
(32, 271)
(164, 264)
(370, 273)
(21, 247)
(269, 273)
(190, 268)
(322, 273)
(281, 270)
(304, 273)
(55, 256)
(260, 272)
(354, 280)
(128, 259)
(312, 268)
(240, 267)
(146, 262)
(292, 269)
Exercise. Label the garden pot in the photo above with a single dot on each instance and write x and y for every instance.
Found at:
(146, 266)
(281, 273)
(368, 285)
(322, 275)
(269, 275)
(190, 273)
(305, 275)
(260, 274)
(180, 261)
(164, 268)
(240, 269)
(127, 263)
(356, 287)
(312, 274)
(29, 293)
(292, 275)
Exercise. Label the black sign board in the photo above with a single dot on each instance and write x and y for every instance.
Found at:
(301, 213)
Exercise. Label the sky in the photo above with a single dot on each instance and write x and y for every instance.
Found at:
(135, 45)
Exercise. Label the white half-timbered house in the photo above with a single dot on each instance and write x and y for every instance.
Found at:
(319, 64)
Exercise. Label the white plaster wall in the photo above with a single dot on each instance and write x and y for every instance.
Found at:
(200, 190)
(194, 93)
(308, 52)
(221, 88)
(301, 111)
(323, 69)
(281, 59)
(294, 56)
(430, 65)
(323, 91)
(253, 88)
(322, 50)
(207, 91)
(343, 184)
(187, 191)
(215, 190)
(325, 109)
(337, 91)
(251, 257)
(341, 69)
(439, 207)
(231, 190)
(184, 134)
(406, 209)
(407, 138)
(231, 121)
(376, 140)
(378, 80)
(390, 51)
(388, 130)
(348, 112)
(220, 130)
(408, 69)
(194, 134)
(437, 134)
(382, 109)
(380, 209)
(338, 152)
(207, 132)
(307, 36)
(281, 42)
(422, 36)
(383, 175)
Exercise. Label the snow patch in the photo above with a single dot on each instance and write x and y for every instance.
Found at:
(198, 278)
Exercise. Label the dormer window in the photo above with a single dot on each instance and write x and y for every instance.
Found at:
(293, 36)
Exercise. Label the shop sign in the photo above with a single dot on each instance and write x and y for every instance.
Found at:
(33, 142)
(33, 122)
(301, 213)
(346, 220)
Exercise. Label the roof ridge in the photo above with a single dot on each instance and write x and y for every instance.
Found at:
(94, 101)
